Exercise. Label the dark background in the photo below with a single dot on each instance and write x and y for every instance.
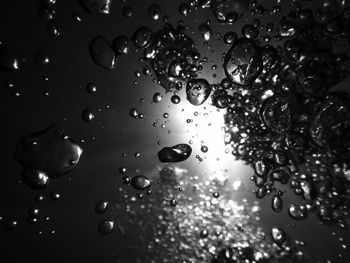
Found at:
(114, 131)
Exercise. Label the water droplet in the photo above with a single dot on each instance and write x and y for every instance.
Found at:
(175, 99)
(205, 31)
(157, 97)
(146, 71)
(278, 235)
(122, 170)
(55, 196)
(10, 224)
(101, 207)
(278, 112)
(76, 17)
(177, 153)
(271, 59)
(121, 45)
(91, 88)
(277, 203)
(154, 11)
(261, 192)
(261, 168)
(173, 57)
(184, 9)
(204, 148)
(127, 11)
(250, 31)
(330, 123)
(280, 158)
(47, 151)
(296, 212)
(38, 198)
(243, 62)
(197, 91)
(48, 2)
(32, 220)
(204, 233)
(97, 6)
(35, 179)
(41, 58)
(142, 37)
(140, 182)
(134, 113)
(87, 115)
(102, 53)
(46, 13)
(8, 61)
(53, 28)
(106, 227)
(295, 140)
(230, 37)
(34, 212)
(126, 179)
(173, 202)
(228, 11)
(222, 100)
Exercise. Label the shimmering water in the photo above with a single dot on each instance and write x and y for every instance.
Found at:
(200, 131)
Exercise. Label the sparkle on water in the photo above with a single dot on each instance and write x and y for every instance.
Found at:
(275, 110)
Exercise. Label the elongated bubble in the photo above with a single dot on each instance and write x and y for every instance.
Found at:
(102, 53)
(49, 151)
(177, 153)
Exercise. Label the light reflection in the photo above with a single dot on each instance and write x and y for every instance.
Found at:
(199, 226)
(206, 129)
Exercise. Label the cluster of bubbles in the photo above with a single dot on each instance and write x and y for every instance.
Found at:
(44, 155)
(47, 13)
(282, 114)
(283, 117)
(182, 223)
(34, 214)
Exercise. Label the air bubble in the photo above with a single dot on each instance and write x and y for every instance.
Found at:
(243, 62)
(278, 236)
(97, 6)
(8, 61)
(140, 182)
(102, 53)
(142, 37)
(296, 212)
(106, 227)
(197, 91)
(46, 152)
(154, 12)
(35, 179)
(177, 153)
(121, 45)
(175, 99)
(87, 115)
(101, 207)
(277, 203)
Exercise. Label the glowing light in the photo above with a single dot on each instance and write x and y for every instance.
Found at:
(206, 127)
(236, 185)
